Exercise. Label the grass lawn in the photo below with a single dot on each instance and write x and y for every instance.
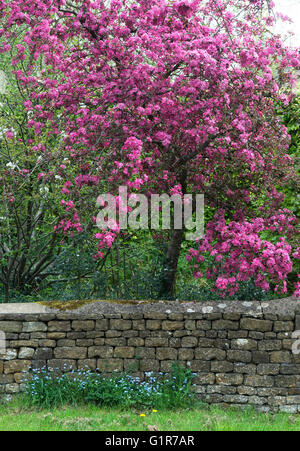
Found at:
(17, 417)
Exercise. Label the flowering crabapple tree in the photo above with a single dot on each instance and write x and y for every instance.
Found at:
(167, 97)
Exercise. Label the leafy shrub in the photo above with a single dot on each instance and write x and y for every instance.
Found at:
(248, 291)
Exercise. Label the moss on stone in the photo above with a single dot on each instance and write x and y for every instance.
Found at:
(73, 305)
(64, 305)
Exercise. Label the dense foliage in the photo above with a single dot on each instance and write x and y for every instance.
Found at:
(29, 207)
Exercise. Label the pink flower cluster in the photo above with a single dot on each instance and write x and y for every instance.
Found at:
(69, 226)
(240, 254)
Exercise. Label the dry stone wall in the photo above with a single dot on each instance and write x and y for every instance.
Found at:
(243, 353)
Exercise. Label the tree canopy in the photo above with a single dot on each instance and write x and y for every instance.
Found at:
(166, 97)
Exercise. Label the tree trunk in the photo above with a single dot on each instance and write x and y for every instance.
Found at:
(167, 290)
(6, 291)
(170, 266)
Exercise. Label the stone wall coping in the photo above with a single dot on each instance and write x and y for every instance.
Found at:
(281, 307)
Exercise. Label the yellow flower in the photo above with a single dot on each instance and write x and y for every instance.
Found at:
(142, 415)
(154, 411)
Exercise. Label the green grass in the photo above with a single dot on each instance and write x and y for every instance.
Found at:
(17, 417)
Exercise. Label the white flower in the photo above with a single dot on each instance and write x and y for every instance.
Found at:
(44, 190)
(11, 165)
